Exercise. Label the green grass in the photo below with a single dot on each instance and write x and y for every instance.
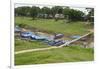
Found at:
(24, 45)
(53, 26)
(66, 54)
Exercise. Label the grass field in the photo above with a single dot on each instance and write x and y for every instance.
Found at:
(53, 26)
(67, 54)
(24, 45)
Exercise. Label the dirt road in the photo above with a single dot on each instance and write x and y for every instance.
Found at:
(38, 49)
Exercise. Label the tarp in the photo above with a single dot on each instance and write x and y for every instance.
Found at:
(56, 42)
(26, 34)
(57, 36)
(75, 36)
(44, 38)
(39, 37)
(17, 29)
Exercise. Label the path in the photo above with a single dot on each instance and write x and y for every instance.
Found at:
(38, 49)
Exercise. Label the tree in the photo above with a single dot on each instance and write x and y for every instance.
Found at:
(90, 15)
(46, 12)
(76, 15)
(34, 12)
(72, 14)
(56, 10)
(66, 11)
(22, 11)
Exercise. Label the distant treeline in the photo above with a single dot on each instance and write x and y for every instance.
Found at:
(54, 12)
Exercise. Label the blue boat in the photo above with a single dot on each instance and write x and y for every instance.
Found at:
(26, 34)
(38, 37)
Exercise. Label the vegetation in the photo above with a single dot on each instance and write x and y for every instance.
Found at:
(22, 11)
(34, 11)
(24, 45)
(66, 54)
(90, 16)
(56, 9)
(74, 15)
(43, 19)
(55, 27)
